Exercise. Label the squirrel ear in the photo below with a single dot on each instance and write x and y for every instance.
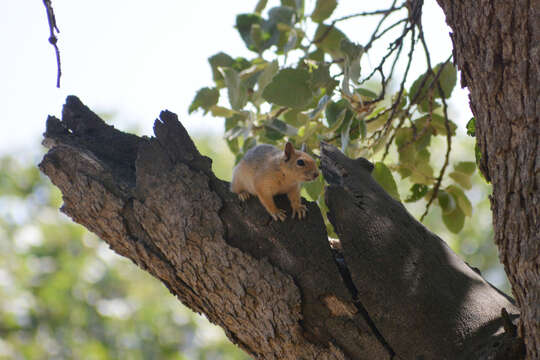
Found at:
(289, 150)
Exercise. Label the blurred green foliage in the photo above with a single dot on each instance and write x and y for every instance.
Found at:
(65, 295)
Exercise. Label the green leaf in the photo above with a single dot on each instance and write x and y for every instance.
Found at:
(237, 90)
(219, 111)
(446, 202)
(367, 93)
(282, 127)
(461, 199)
(428, 105)
(317, 55)
(454, 220)
(466, 167)
(422, 173)
(351, 50)
(261, 4)
(447, 79)
(438, 123)
(323, 10)
(233, 121)
(462, 179)
(362, 128)
(417, 192)
(244, 24)
(314, 188)
(345, 134)
(471, 127)
(290, 87)
(248, 144)
(239, 64)
(216, 61)
(292, 41)
(477, 155)
(384, 177)
(295, 117)
(235, 132)
(320, 77)
(281, 14)
(329, 39)
(205, 99)
(264, 79)
(321, 106)
(298, 5)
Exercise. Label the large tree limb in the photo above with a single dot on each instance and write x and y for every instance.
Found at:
(276, 288)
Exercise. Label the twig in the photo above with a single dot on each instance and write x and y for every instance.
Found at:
(446, 126)
(52, 38)
(400, 93)
(376, 12)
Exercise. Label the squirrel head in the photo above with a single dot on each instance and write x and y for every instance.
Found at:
(299, 164)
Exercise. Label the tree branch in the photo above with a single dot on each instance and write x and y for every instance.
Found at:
(277, 289)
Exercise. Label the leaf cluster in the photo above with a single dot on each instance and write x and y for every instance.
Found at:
(305, 83)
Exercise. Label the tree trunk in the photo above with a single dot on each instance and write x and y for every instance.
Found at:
(394, 290)
(497, 48)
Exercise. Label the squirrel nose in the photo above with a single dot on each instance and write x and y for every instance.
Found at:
(315, 175)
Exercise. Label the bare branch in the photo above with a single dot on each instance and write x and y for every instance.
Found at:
(52, 38)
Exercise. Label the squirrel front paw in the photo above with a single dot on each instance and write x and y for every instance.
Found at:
(243, 196)
(279, 214)
(301, 211)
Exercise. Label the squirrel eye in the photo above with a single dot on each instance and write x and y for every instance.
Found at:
(300, 162)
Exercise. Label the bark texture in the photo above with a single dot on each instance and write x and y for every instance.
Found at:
(497, 48)
(394, 291)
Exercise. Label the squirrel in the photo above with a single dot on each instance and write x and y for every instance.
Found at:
(266, 171)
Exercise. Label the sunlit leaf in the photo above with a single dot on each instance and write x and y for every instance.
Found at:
(466, 167)
(462, 179)
(384, 177)
(314, 188)
(236, 90)
(265, 78)
(471, 127)
(220, 111)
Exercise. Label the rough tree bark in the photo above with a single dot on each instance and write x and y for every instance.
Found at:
(394, 290)
(497, 48)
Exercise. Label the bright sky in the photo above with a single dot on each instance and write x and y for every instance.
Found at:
(134, 59)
